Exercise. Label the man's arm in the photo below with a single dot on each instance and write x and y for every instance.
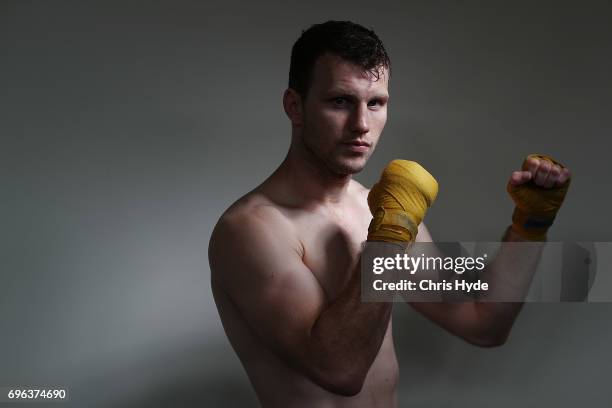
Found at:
(486, 324)
(256, 259)
(489, 323)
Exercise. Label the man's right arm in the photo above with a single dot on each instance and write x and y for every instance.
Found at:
(256, 259)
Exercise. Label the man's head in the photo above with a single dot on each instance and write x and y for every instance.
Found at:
(349, 41)
(337, 95)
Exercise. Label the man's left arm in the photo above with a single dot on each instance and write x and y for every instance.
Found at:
(538, 190)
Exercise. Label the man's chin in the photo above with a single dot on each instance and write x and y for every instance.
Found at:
(348, 167)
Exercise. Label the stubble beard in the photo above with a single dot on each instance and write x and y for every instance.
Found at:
(333, 162)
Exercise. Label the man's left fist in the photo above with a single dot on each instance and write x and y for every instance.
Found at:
(538, 190)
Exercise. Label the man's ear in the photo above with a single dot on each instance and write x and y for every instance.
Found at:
(292, 102)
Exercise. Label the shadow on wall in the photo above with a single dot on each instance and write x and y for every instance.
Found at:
(188, 373)
(436, 367)
(227, 391)
(191, 375)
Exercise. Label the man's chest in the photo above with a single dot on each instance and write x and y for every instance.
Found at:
(332, 246)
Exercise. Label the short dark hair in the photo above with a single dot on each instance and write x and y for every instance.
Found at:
(349, 41)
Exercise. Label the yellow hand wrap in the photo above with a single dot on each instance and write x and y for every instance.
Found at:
(536, 206)
(399, 201)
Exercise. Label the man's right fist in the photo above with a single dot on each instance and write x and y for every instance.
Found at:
(398, 202)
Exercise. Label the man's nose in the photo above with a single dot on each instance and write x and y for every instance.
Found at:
(360, 122)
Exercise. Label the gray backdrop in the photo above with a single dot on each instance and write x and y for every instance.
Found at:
(128, 127)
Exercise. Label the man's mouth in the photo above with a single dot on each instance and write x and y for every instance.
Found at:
(358, 146)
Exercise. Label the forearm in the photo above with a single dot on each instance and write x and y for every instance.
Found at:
(347, 336)
(487, 322)
(509, 276)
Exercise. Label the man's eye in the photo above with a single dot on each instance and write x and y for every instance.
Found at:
(340, 101)
(374, 102)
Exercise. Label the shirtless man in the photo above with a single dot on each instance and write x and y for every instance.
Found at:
(285, 258)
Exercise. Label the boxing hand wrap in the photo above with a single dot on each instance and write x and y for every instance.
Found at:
(536, 207)
(399, 200)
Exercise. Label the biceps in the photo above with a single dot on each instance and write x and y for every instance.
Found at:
(257, 265)
(280, 303)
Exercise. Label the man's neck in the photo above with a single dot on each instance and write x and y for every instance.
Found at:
(311, 180)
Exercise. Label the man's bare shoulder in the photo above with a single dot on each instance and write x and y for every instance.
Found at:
(253, 222)
(254, 208)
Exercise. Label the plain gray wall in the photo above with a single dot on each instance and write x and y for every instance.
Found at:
(128, 127)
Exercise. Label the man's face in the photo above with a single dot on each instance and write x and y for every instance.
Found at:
(344, 114)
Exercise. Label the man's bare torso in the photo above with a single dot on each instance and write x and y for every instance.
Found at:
(328, 240)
